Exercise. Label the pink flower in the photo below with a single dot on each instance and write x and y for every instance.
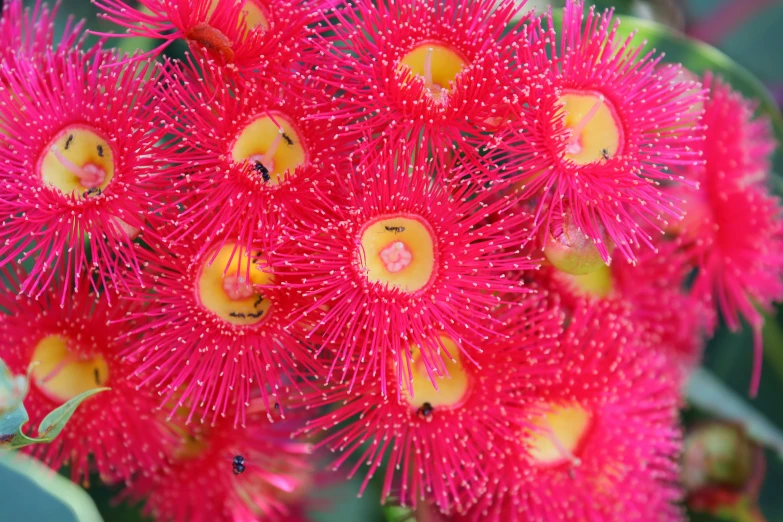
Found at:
(211, 334)
(601, 130)
(32, 32)
(260, 158)
(670, 319)
(392, 253)
(602, 442)
(201, 483)
(73, 350)
(436, 437)
(79, 165)
(733, 230)
(263, 37)
(407, 68)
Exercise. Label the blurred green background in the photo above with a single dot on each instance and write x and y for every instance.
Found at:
(747, 31)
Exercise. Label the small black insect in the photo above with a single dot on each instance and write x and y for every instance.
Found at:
(68, 141)
(425, 412)
(96, 191)
(238, 464)
(605, 154)
(396, 230)
(259, 167)
(100, 151)
(287, 139)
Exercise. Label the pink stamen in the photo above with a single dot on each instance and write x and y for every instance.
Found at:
(574, 145)
(90, 175)
(237, 288)
(396, 257)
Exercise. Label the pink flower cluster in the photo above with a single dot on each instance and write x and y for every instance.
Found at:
(462, 245)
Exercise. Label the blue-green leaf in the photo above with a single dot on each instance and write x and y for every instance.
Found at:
(53, 424)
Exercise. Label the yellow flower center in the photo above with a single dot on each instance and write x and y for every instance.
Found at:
(399, 251)
(596, 284)
(437, 63)
(596, 133)
(558, 434)
(77, 161)
(62, 374)
(272, 146)
(255, 12)
(450, 378)
(229, 291)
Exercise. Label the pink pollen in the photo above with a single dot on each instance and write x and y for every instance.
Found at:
(236, 288)
(90, 175)
(396, 257)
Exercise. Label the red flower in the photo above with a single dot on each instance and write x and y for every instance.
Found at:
(211, 335)
(733, 230)
(259, 156)
(406, 68)
(79, 164)
(436, 437)
(601, 130)
(205, 482)
(602, 442)
(671, 320)
(265, 37)
(74, 350)
(395, 254)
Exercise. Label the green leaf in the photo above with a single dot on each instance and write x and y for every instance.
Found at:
(13, 437)
(707, 393)
(53, 424)
(32, 492)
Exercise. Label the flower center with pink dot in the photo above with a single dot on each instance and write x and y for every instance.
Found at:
(272, 146)
(595, 130)
(79, 160)
(557, 435)
(445, 386)
(227, 288)
(398, 251)
(62, 373)
(437, 63)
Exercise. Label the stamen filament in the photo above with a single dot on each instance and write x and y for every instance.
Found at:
(268, 158)
(428, 67)
(575, 461)
(576, 131)
(65, 361)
